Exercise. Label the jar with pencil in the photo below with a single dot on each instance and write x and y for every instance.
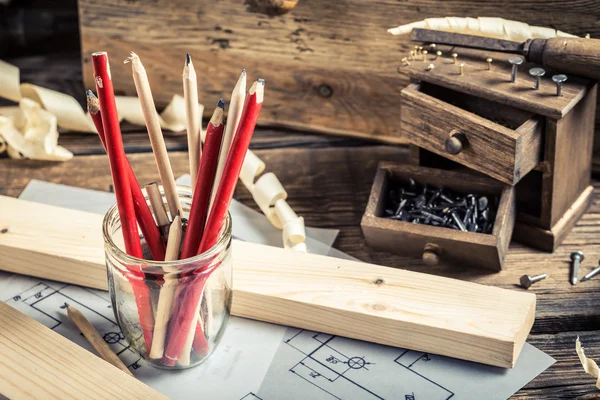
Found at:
(168, 249)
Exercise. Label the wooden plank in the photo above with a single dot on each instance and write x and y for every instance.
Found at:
(38, 363)
(340, 297)
(348, 179)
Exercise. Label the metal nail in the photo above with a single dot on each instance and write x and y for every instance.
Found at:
(526, 280)
(401, 206)
(430, 67)
(458, 222)
(576, 259)
(559, 80)
(454, 56)
(461, 69)
(591, 274)
(432, 46)
(537, 73)
(424, 52)
(489, 63)
(412, 55)
(515, 61)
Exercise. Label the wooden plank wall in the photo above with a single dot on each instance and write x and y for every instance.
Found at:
(330, 66)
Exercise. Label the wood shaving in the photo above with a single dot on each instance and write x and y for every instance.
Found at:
(498, 28)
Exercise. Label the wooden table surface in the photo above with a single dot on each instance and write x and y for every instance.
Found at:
(328, 179)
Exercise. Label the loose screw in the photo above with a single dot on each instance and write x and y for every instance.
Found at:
(591, 274)
(537, 73)
(515, 61)
(559, 80)
(526, 280)
(576, 259)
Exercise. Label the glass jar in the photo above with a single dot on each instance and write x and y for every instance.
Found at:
(172, 313)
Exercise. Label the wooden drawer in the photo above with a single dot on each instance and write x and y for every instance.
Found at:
(497, 140)
(431, 242)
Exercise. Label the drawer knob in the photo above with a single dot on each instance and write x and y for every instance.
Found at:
(456, 142)
(431, 254)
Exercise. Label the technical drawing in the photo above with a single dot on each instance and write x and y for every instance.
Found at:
(333, 364)
(46, 301)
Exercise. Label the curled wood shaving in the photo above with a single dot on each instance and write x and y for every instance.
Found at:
(37, 138)
(270, 196)
(498, 28)
(589, 365)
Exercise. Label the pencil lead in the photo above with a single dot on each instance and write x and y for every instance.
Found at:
(89, 93)
(244, 71)
(221, 104)
(260, 80)
(188, 59)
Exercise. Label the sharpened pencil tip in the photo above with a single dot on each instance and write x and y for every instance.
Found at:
(260, 80)
(89, 93)
(244, 71)
(221, 104)
(188, 59)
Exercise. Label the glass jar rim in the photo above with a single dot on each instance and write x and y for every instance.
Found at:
(166, 266)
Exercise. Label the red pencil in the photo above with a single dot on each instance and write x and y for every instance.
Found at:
(204, 183)
(188, 303)
(142, 211)
(117, 159)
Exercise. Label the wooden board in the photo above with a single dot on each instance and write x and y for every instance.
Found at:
(348, 298)
(38, 363)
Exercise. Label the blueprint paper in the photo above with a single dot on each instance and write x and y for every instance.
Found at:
(257, 360)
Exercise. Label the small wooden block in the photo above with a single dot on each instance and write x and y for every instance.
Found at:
(354, 299)
(38, 363)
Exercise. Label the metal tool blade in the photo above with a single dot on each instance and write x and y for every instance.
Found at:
(461, 40)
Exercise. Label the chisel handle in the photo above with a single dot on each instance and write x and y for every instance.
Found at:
(576, 56)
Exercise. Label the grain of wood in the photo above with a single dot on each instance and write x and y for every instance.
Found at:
(416, 311)
(38, 363)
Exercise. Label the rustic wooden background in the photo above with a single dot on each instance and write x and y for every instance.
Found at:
(330, 65)
(329, 177)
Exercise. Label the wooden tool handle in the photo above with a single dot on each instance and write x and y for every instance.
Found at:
(575, 56)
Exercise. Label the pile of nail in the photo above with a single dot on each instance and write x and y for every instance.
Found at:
(423, 204)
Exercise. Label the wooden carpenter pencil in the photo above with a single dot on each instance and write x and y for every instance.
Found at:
(116, 156)
(167, 291)
(192, 117)
(234, 114)
(97, 342)
(142, 86)
(204, 185)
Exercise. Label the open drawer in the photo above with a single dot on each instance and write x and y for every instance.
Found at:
(497, 140)
(482, 250)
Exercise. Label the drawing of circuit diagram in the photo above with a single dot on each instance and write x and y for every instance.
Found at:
(45, 302)
(348, 369)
